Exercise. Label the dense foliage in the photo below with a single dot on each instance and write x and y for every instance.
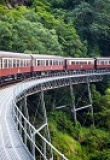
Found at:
(78, 28)
(81, 143)
(75, 28)
(90, 142)
(36, 30)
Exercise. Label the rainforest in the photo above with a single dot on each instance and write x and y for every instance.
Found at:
(76, 28)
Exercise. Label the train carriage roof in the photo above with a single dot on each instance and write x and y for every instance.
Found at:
(4, 54)
(103, 58)
(79, 59)
(38, 56)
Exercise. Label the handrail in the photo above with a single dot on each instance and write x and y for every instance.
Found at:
(17, 114)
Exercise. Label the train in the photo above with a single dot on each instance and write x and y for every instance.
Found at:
(17, 65)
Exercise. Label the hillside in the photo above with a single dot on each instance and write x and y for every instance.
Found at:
(75, 28)
(78, 28)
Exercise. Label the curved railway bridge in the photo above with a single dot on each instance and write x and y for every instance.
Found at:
(17, 134)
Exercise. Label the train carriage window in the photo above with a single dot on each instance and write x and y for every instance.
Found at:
(10, 63)
(47, 63)
(0, 63)
(51, 62)
(102, 62)
(22, 63)
(14, 62)
(4, 63)
(56, 62)
(83, 62)
(38, 62)
(97, 62)
(72, 62)
(77, 62)
(42, 62)
(68, 62)
(27, 62)
(33, 62)
(7, 63)
(17, 63)
(60, 62)
(89, 62)
(106, 63)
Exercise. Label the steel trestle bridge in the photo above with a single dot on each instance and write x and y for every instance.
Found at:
(17, 134)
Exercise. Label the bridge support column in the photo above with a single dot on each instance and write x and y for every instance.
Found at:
(72, 101)
(33, 145)
(54, 100)
(45, 119)
(90, 100)
(45, 129)
(20, 117)
(27, 116)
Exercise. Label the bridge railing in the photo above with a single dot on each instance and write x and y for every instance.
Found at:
(28, 132)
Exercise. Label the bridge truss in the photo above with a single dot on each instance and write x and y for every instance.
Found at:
(21, 115)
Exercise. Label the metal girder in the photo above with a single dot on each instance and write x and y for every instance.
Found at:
(37, 86)
(58, 83)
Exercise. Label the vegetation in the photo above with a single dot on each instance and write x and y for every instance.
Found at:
(81, 143)
(79, 28)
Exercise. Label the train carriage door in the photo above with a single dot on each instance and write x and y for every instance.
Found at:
(95, 63)
(65, 64)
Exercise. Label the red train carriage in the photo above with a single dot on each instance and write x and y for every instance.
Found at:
(102, 63)
(44, 63)
(14, 63)
(79, 63)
